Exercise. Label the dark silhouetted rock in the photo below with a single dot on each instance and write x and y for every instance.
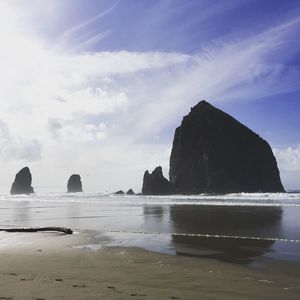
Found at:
(22, 183)
(120, 192)
(130, 192)
(74, 184)
(156, 184)
(214, 153)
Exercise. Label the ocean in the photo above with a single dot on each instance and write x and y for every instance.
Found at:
(249, 229)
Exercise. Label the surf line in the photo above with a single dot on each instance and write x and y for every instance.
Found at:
(208, 236)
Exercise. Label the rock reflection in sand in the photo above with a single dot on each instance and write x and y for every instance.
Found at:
(241, 221)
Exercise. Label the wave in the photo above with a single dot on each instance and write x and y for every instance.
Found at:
(236, 199)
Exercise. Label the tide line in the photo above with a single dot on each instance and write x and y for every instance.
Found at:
(208, 236)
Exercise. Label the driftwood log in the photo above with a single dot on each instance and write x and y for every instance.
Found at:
(36, 229)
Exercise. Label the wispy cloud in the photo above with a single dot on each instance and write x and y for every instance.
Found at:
(87, 43)
(78, 34)
(234, 70)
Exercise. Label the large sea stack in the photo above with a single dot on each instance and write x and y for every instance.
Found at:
(22, 183)
(214, 153)
(74, 184)
(156, 184)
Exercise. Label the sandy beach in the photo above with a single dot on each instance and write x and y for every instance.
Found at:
(50, 266)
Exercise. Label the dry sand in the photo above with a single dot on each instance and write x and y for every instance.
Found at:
(45, 266)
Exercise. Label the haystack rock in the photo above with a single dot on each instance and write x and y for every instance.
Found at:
(74, 184)
(214, 153)
(156, 184)
(22, 183)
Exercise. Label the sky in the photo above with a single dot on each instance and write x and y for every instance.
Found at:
(98, 87)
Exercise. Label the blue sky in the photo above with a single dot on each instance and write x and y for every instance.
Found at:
(102, 85)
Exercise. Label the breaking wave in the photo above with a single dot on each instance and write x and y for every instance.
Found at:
(237, 199)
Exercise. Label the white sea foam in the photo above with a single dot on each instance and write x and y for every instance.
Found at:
(238, 199)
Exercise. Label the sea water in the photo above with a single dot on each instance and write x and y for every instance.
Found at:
(243, 228)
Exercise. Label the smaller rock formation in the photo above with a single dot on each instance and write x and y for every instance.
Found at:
(74, 184)
(130, 192)
(156, 184)
(22, 183)
(120, 192)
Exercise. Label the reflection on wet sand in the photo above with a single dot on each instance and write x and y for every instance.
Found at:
(156, 212)
(248, 221)
(21, 213)
(156, 219)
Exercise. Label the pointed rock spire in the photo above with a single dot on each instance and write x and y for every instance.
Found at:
(22, 183)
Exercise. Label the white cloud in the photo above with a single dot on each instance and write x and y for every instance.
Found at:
(18, 148)
(68, 132)
(288, 160)
(95, 113)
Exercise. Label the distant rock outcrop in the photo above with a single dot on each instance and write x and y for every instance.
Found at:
(156, 184)
(214, 153)
(130, 192)
(120, 192)
(22, 183)
(74, 184)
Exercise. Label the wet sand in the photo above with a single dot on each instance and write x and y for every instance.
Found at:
(47, 266)
(245, 229)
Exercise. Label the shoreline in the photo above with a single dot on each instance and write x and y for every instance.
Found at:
(50, 266)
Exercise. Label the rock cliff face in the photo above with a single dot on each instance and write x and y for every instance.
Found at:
(22, 183)
(156, 184)
(74, 184)
(214, 153)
